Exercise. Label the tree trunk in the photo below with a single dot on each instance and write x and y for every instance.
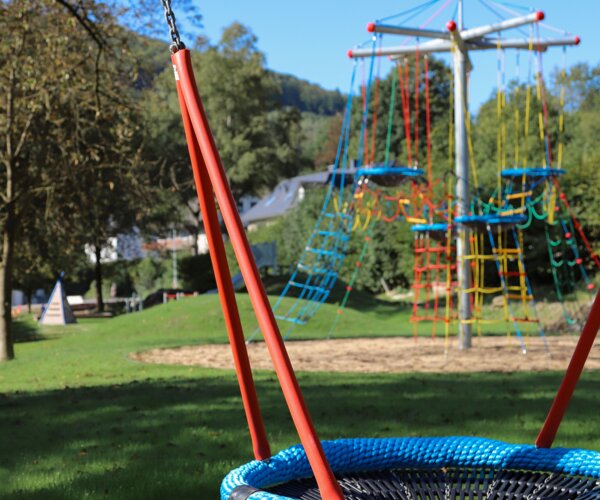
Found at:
(8, 230)
(196, 235)
(98, 272)
(6, 341)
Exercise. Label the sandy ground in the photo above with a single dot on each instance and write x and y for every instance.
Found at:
(392, 355)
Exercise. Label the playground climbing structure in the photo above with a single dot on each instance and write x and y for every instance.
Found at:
(464, 241)
(487, 229)
(434, 264)
(496, 246)
(538, 195)
(362, 192)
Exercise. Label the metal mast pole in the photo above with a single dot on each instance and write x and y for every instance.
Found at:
(462, 186)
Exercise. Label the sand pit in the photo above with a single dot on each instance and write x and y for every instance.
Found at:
(390, 355)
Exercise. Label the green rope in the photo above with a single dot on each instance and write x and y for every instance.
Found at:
(350, 286)
(558, 283)
(529, 220)
(543, 215)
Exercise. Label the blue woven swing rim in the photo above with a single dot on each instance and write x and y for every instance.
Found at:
(420, 228)
(537, 172)
(370, 454)
(389, 171)
(491, 219)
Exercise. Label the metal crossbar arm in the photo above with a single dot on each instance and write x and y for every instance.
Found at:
(516, 43)
(465, 35)
(481, 44)
(428, 47)
(502, 25)
(402, 30)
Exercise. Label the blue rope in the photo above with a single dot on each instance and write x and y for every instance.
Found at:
(413, 10)
(365, 113)
(523, 8)
(437, 453)
(530, 291)
(506, 291)
(500, 16)
(330, 254)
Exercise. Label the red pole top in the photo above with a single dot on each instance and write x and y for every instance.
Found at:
(451, 26)
(567, 387)
(577, 40)
(540, 16)
(326, 481)
(349, 53)
(260, 443)
(371, 27)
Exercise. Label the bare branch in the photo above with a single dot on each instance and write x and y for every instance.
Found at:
(84, 21)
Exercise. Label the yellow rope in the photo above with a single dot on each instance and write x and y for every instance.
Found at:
(500, 117)
(526, 127)
(472, 161)
(448, 295)
(538, 92)
(517, 126)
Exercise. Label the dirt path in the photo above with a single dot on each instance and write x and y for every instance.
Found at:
(392, 355)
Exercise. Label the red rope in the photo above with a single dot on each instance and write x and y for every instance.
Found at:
(375, 107)
(416, 283)
(394, 217)
(428, 124)
(562, 196)
(436, 287)
(416, 125)
(365, 108)
(576, 223)
(544, 104)
(428, 274)
(405, 113)
(408, 122)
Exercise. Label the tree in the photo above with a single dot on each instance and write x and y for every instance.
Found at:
(63, 96)
(257, 138)
(328, 148)
(260, 141)
(176, 200)
(582, 151)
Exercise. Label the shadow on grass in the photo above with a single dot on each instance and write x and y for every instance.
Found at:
(177, 438)
(26, 330)
(358, 299)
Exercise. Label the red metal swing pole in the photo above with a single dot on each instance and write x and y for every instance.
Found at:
(326, 481)
(208, 209)
(567, 387)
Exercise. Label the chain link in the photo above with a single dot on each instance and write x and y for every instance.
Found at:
(176, 44)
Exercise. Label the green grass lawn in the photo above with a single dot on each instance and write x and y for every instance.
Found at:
(78, 419)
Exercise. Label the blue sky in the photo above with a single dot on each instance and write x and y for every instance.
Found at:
(310, 38)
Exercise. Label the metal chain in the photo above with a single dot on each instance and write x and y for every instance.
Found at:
(176, 44)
